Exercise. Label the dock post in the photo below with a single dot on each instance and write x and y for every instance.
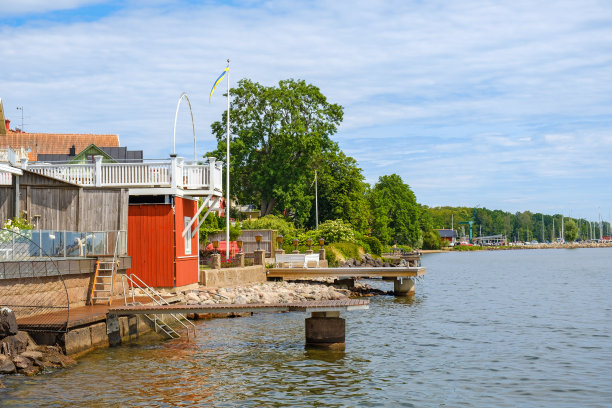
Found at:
(326, 330)
(403, 287)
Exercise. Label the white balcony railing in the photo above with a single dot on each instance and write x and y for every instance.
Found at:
(173, 173)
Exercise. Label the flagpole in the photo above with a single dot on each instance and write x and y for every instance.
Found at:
(227, 192)
(316, 203)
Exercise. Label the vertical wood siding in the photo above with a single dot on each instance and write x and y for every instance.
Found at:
(186, 265)
(150, 243)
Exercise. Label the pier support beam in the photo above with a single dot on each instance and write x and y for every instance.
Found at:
(326, 330)
(403, 287)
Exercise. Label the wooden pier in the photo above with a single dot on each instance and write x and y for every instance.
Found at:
(403, 277)
(324, 329)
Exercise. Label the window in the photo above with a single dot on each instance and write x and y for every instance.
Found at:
(187, 237)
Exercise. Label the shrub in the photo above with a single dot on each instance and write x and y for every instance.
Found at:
(336, 231)
(375, 245)
(284, 227)
(431, 240)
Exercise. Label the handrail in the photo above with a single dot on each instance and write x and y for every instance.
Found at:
(159, 173)
(160, 302)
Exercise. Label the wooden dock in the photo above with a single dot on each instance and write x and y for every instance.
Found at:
(354, 272)
(308, 306)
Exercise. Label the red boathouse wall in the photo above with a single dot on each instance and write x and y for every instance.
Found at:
(156, 244)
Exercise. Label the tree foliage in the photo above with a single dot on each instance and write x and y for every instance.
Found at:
(341, 191)
(570, 230)
(395, 212)
(278, 134)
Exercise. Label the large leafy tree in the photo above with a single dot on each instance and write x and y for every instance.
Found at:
(395, 212)
(278, 133)
(341, 191)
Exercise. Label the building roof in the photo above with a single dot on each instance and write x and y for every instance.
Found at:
(447, 233)
(54, 143)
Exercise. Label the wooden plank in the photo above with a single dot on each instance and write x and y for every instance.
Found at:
(315, 305)
(385, 272)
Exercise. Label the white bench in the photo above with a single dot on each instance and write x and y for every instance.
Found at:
(300, 260)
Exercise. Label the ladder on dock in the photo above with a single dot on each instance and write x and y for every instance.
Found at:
(106, 268)
(134, 283)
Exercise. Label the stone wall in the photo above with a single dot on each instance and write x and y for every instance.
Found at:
(215, 278)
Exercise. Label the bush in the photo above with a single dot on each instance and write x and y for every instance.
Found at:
(432, 240)
(336, 231)
(375, 245)
(273, 222)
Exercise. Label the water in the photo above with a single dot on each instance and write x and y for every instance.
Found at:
(505, 329)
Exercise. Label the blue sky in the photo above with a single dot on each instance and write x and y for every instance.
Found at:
(506, 104)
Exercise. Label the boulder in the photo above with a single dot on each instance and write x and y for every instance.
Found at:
(17, 344)
(6, 365)
(22, 362)
(8, 323)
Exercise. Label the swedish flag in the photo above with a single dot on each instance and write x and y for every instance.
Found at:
(225, 71)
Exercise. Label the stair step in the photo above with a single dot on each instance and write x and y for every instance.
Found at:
(100, 298)
(101, 290)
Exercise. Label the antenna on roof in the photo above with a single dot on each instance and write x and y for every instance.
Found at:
(2, 123)
(21, 109)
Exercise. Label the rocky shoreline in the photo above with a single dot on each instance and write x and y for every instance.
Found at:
(280, 292)
(21, 355)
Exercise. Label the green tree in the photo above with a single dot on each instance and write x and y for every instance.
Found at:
(341, 191)
(432, 240)
(395, 212)
(278, 133)
(570, 230)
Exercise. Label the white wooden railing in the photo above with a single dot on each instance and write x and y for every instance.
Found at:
(189, 176)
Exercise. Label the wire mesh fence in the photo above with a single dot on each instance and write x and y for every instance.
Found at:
(31, 284)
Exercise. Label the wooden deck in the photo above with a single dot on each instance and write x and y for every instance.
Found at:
(356, 272)
(309, 306)
(77, 316)
(81, 316)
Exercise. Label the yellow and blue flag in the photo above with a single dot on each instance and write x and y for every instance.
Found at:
(225, 71)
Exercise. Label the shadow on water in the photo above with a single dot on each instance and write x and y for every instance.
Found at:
(328, 356)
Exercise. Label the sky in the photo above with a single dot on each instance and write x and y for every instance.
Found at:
(498, 104)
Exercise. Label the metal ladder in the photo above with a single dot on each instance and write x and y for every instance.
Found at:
(136, 283)
(102, 288)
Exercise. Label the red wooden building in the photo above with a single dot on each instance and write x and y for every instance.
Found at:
(161, 256)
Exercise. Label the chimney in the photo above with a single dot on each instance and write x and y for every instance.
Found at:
(7, 122)
(72, 151)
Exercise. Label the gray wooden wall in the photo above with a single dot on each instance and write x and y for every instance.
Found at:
(64, 206)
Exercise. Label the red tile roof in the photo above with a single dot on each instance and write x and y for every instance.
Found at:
(54, 143)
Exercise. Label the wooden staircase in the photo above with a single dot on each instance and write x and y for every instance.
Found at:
(102, 288)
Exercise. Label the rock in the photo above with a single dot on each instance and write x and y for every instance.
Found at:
(17, 344)
(192, 296)
(32, 355)
(8, 323)
(240, 300)
(30, 371)
(22, 362)
(6, 365)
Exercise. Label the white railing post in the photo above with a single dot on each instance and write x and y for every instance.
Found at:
(24, 163)
(174, 174)
(211, 173)
(98, 170)
(180, 182)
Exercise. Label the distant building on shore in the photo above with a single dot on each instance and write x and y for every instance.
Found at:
(448, 235)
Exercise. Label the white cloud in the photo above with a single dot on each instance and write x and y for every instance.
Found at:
(433, 91)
